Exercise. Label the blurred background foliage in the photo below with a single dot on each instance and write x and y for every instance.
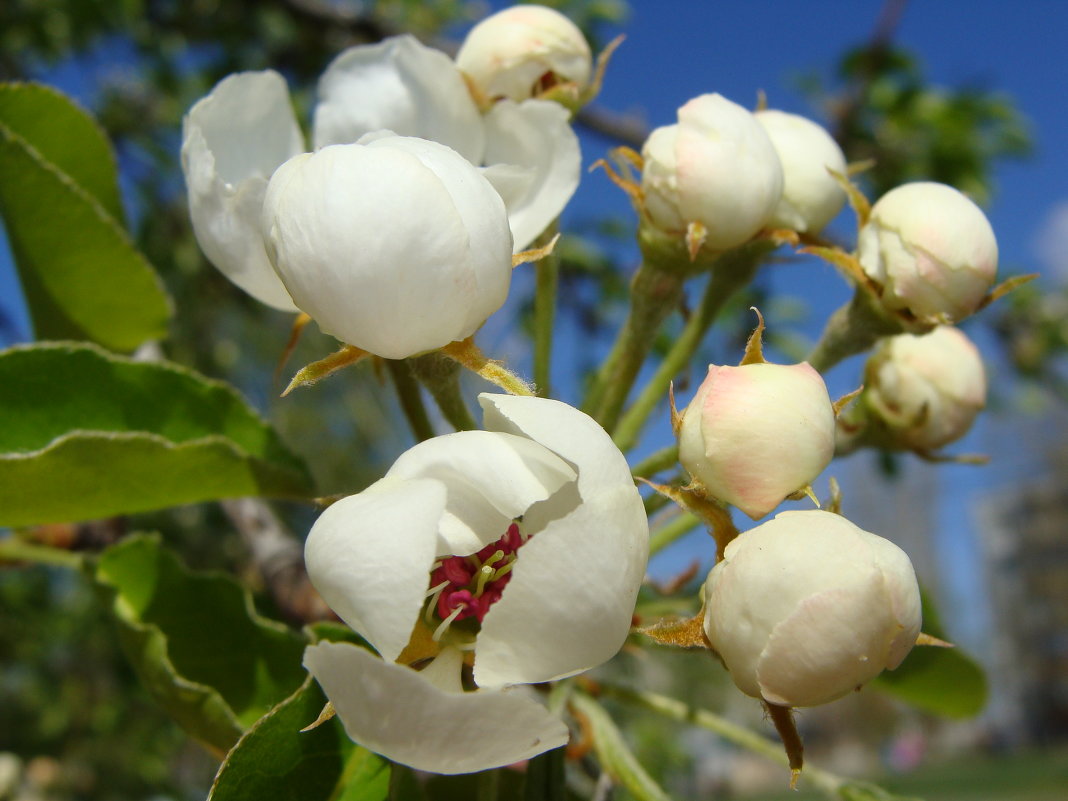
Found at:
(70, 708)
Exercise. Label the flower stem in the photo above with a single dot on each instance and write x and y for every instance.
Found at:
(547, 282)
(675, 530)
(410, 400)
(655, 293)
(663, 459)
(673, 709)
(731, 272)
(441, 377)
(853, 328)
(545, 776)
(487, 785)
(13, 549)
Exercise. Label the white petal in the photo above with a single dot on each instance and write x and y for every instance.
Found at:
(402, 85)
(535, 135)
(370, 555)
(395, 712)
(564, 430)
(568, 606)
(490, 480)
(232, 141)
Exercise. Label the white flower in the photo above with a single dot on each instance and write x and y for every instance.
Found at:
(396, 245)
(236, 137)
(810, 196)
(926, 390)
(931, 250)
(521, 51)
(756, 433)
(716, 167)
(542, 507)
(807, 607)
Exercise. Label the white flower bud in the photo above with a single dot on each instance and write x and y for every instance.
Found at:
(754, 434)
(926, 389)
(520, 52)
(931, 249)
(807, 607)
(811, 197)
(716, 167)
(395, 245)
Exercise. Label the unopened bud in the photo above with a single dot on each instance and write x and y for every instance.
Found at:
(807, 607)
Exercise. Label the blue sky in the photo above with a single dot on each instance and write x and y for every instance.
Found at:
(676, 50)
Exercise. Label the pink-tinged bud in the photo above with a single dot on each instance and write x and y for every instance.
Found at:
(807, 607)
(811, 197)
(524, 51)
(757, 433)
(716, 167)
(926, 390)
(931, 250)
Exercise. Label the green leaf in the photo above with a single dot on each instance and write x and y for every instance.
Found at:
(196, 642)
(945, 681)
(82, 276)
(275, 759)
(100, 434)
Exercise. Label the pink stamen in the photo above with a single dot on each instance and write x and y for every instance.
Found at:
(466, 591)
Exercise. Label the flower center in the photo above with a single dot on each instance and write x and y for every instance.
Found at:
(463, 587)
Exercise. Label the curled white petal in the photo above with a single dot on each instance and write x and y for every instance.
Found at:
(369, 556)
(397, 246)
(402, 85)
(232, 142)
(490, 479)
(395, 712)
(534, 143)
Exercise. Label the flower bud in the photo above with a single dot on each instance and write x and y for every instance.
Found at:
(807, 607)
(756, 433)
(716, 167)
(520, 52)
(811, 197)
(395, 245)
(931, 249)
(926, 390)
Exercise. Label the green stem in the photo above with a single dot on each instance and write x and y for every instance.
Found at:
(663, 459)
(545, 777)
(676, 529)
(411, 400)
(487, 785)
(853, 328)
(655, 293)
(441, 377)
(673, 709)
(731, 272)
(547, 282)
(13, 549)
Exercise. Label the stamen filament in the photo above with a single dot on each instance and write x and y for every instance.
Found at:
(485, 574)
(446, 623)
(433, 591)
(502, 571)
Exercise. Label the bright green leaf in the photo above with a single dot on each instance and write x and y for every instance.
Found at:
(100, 434)
(276, 760)
(196, 642)
(82, 276)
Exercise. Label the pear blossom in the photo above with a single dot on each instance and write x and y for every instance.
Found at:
(480, 561)
(931, 250)
(524, 50)
(807, 607)
(716, 167)
(811, 197)
(922, 391)
(239, 134)
(756, 433)
(396, 245)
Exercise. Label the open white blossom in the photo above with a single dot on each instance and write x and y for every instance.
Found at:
(811, 197)
(521, 51)
(931, 250)
(239, 134)
(716, 167)
(807, 607)
(394, 244)
(517, 550)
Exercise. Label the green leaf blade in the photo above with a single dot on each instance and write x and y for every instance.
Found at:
(100, 435)
(81, 274)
